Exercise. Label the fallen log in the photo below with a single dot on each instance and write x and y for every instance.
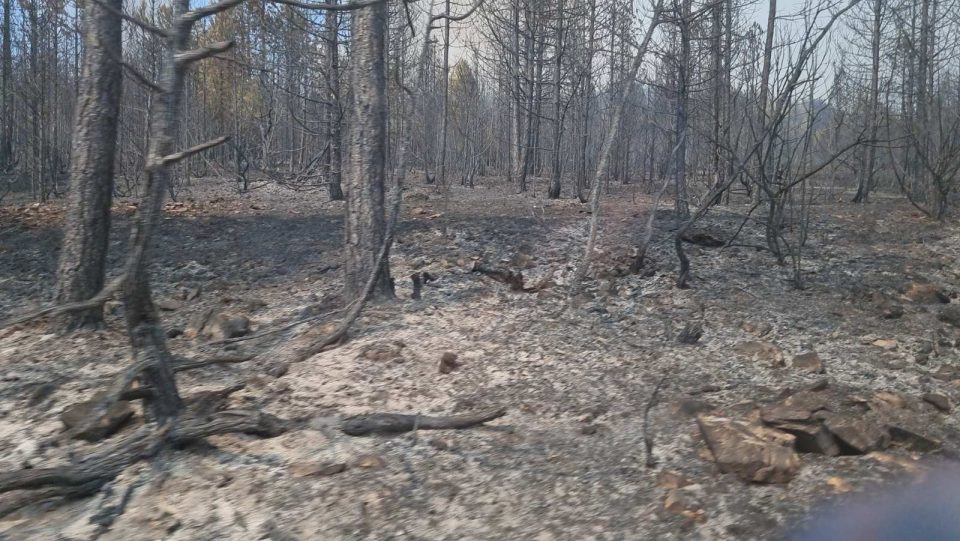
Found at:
(395, 423)
(87, 475)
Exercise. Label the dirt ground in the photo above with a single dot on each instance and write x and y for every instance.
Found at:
(568, 459)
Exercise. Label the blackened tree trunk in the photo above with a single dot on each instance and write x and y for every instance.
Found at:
(365, 211)
(86, 235)
(333, 110)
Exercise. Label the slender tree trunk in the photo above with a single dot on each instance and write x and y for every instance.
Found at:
(6, 95)
(587, 81)
(683, 98)
(445, 107)
(333, 109)
(866, 177)
(554, 192)
(87, 231)
(365, 212)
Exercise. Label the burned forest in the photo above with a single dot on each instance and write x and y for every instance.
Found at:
(479, 269)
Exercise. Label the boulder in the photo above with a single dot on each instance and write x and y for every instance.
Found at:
(950, 315)
(116, 416)
(750, 450)
(857, 434)
(808, 362)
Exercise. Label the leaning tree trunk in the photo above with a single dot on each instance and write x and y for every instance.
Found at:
(6, 108)
(365, 211)
(87, 231)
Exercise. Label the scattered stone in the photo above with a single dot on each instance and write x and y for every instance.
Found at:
(317, 469)
(448, 362)
(760, 351)
(858, 434)
(891, 310)
(912, 439)
(277, 369)
(685, 504)
(887, 400)
(839, 485)
(886, 344)
(174, 332)
(947, 373)
(754, 452)
(691, 333)
(811, 438)
(938, 401)
(757, 329)
(926, 294)
(671, 480)
(41, 393)
(440, 444)
(950, 315)
(383, 352)
(693, 407)
(116, 416)
(223, 326)
(809, 362)
(796, 407)
(197, 323)
(369, 462)
(168, 305)
(588, 430)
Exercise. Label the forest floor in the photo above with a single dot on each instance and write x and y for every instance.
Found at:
(568, 460)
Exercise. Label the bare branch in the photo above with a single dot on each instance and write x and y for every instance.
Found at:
(133, 20)
(195, 15)
(184, 154)
(198, 54)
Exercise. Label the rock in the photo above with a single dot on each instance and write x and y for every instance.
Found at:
(671, 480)
(947, 373)
(114, 419)
(369, 462)
(277, 369)
(912, 439)
(588, 430)
(168, 305)
(839, 485)
(440, 444)
(317, 469)
(448, 362)
(692, 407)
(891, 310)
(757, 329)
(811, 438)
(418, 211)
(886, 344)
(809, 362)
(926, 294)
(858, 434)
(691, 333)
(754, 452)
(761, 351)
(938, 401)
(383, 352)
(886, 401)
(950, 315)
(197, 323)
(174, 332)
(685, 504)
(800, 406)
(223, 326)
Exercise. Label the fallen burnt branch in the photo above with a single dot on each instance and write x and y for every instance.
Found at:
(87, 475)
(395, 423)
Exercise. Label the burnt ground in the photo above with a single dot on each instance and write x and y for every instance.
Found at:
(568, 460)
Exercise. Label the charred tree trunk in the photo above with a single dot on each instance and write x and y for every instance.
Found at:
(365, 209)
(86, 234)
(554, 192)
(333, 111)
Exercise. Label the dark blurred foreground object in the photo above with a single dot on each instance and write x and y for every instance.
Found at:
(927, 511)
